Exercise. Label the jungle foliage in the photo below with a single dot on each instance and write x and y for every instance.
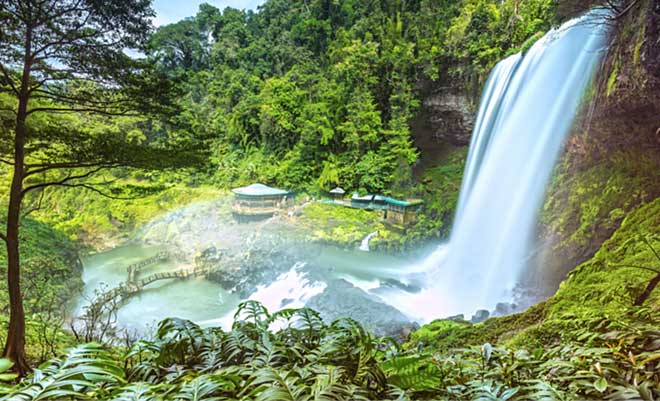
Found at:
(293, 355)
(310, 95)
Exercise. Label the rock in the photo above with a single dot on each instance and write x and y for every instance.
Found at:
(392, 283)
(242, 273)
(341, 299)
(208, 257)
(480, 316)
(504, 309)
(446, 115)
(456, 318)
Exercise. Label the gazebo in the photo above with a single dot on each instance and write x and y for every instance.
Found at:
(258, 200)
(337, 193)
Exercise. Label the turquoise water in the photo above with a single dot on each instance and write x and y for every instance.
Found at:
(208, 303)
(195, 299)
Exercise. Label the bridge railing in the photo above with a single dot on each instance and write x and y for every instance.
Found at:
(132, 285)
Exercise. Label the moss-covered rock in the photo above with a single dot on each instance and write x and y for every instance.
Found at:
(612, 160)
(337, 225)
(443, 335)
(600, 291)
(607, 284)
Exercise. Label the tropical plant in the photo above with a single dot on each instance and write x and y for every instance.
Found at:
(293, 355)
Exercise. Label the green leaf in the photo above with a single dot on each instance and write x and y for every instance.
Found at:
(5, 365)
(601, 384)
(6, 377)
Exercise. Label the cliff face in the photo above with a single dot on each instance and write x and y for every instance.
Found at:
(612, 160)
(448, 115)
(445, 119)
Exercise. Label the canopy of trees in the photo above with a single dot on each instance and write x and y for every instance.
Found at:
(313, 94)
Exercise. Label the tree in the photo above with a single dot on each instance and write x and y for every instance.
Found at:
(182, 45)
(64, 74)
(655, 280)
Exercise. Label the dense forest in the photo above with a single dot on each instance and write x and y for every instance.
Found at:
(317, 94)
(114, 133)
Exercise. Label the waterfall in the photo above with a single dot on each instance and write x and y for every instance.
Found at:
(526, 110)
(364, 245)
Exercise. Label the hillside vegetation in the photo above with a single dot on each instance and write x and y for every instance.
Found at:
(317, 94)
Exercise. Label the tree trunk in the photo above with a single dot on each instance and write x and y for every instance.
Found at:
(15, 345)
(648, 290)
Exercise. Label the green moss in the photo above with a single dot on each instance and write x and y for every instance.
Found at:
(530, 41)
(641, 35)
(437, 329)
(607, 284)
(584, 204)
(338, 225)
(602, 289)
(443, 337)
(611, 80)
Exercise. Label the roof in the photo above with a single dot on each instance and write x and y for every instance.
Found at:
(386, 199)
(338, 190)
(398, 202)
(259, 190)
(367, 197)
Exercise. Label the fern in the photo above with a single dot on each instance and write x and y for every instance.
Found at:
(412, 372)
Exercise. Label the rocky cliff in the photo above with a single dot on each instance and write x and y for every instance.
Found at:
(611, 164)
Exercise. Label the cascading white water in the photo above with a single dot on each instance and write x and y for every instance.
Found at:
(526, 110)
(364, 245)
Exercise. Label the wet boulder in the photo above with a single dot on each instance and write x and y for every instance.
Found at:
(341, 299)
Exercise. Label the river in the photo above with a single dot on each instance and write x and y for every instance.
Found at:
(208, 303)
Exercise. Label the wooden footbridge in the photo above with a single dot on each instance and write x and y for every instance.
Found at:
(134, 284)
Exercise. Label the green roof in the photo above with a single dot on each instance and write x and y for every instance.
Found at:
(371, 198)
(259, 190)
(404, 203)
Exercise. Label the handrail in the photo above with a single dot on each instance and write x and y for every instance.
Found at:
(132, 286)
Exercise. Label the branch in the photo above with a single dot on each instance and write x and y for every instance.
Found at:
(84, 98)
(61, 182)
(38, 205)
(638, 267)
(98, 191)
(9, 110)
(42, 168)
(625, 10)
(82, 110)
(65, 182)
(3, 237)
(8, 78)
(647, 242)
